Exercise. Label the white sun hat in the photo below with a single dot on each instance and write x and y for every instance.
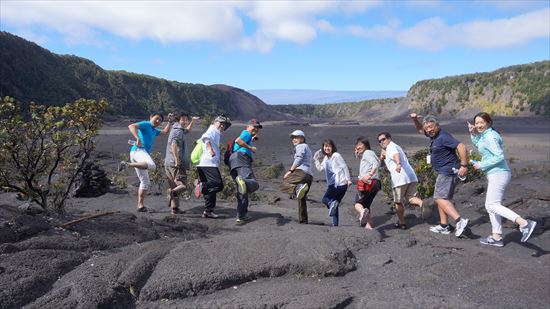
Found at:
(298, 133)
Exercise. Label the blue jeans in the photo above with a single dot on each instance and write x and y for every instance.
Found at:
(251, 186)
(334, 194)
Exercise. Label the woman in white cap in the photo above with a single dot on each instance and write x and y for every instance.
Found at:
(298, 178)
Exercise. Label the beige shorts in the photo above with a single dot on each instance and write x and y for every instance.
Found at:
(404, 193)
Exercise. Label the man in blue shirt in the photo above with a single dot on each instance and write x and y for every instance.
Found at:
(442, 157)
(240, 164)
(145, 133)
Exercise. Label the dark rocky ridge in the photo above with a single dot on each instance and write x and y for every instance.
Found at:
(32, 73)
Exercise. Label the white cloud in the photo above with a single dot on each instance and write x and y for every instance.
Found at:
(223, 22)
(434, 34)
(81, 22)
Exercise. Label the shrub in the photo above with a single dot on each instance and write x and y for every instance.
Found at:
(425, 174)
(274, 171)
(41, 157)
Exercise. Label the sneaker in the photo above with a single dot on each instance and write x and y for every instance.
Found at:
(122, 165)
(333, 208)
(143, 209)
(363, 217)
(441, 230)
(241, 221)
(176, 211)
(209, 214)
(241, 185)
(527, 230)
(198, 188)
(460, 226)
(489, 240)
(301, 190)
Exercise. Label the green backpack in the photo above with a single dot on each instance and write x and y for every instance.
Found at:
(197, 152)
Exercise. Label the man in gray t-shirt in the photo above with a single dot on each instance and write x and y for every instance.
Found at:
(176, 161)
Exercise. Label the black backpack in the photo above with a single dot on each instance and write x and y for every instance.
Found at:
(229, 151)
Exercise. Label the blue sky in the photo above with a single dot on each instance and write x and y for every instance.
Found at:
(327, 45)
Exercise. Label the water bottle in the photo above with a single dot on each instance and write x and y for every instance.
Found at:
(462, 178)
(132, 142)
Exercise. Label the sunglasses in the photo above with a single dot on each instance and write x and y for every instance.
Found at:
(382, 140)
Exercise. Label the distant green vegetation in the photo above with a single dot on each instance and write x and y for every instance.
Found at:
(506, 92)
(31, 73)
(331, 111)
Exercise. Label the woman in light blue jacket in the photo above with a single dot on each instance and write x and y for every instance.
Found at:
(495, 167)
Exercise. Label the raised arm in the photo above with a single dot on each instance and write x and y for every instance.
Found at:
(192, 123)
(416, 120)
(168, 127)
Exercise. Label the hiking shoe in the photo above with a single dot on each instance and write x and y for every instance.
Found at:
(333, 208)
(460, 226)
(439, 229)
(241, 185)
(122, 165)
(489, 240)
(198, 188)
(176, 211)
(363, 217)
(209, 214)
(301, 190)
(143, 209)
(527, 230)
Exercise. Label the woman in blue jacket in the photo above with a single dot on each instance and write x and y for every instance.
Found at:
(495, 167)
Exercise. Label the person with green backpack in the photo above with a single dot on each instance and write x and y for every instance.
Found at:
(210, 180)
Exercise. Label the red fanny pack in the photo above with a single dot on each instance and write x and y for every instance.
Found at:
(366, 187)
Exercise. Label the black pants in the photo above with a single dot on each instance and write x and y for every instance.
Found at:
(212, 183)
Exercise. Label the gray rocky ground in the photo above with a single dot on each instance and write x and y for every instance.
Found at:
(156, 260)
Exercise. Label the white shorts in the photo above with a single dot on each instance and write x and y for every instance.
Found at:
(141, 155)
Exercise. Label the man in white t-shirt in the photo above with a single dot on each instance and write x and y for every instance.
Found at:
(403, 178)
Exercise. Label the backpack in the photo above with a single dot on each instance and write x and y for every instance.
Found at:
(229, 151)
(196, 154)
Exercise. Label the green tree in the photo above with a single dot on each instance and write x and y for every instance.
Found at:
(42, 156)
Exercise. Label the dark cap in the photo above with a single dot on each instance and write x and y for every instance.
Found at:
(255, 123)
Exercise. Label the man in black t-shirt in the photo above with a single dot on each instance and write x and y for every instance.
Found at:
(442, 157)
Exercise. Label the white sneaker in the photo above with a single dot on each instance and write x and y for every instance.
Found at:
(441, 230)
(122, 166)
(363, 217)
(210, 214)
(527, 230)
(301, 190)
(460, 226)
(333, 208)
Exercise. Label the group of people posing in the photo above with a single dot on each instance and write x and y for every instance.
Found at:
(298, 178)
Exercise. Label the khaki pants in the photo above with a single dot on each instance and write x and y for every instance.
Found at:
(289, 186)
(176, 178)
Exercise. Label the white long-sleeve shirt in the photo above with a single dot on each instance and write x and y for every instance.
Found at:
(335, 165)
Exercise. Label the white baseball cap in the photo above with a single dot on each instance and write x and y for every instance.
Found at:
(298, 133)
